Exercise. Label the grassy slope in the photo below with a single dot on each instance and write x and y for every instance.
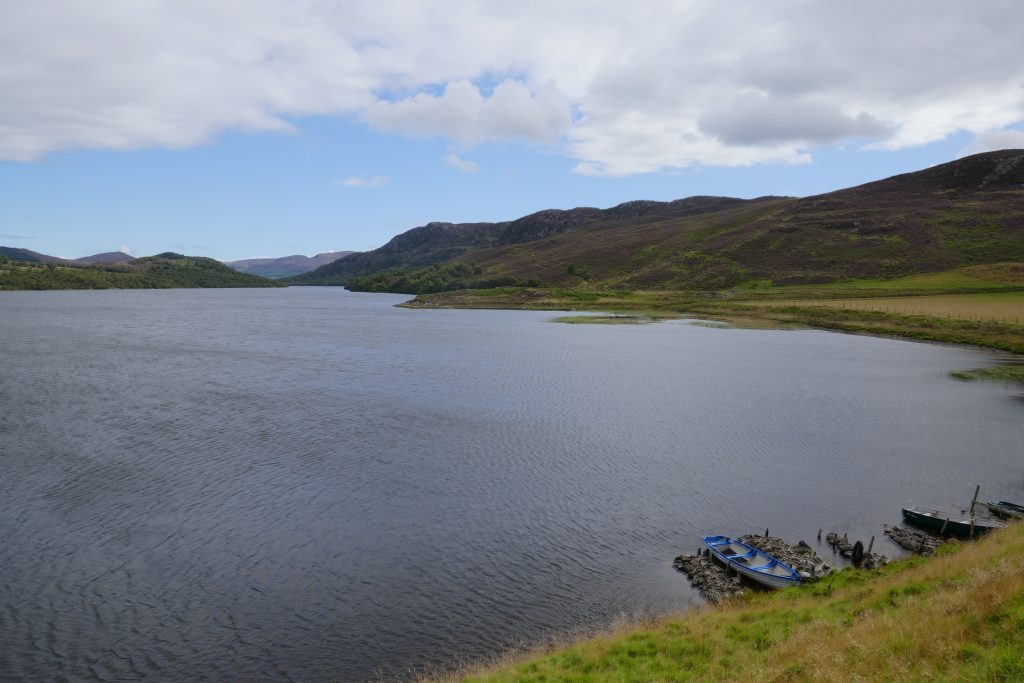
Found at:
(153, 272)
(956, 616)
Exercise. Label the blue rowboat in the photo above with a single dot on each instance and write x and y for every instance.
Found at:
(752, 563)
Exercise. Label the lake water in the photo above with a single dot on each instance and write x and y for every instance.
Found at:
(307, 484)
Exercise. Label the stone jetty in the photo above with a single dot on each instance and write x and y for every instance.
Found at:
(800, 556)
(865, 559)
(915, 541)
(708, 577)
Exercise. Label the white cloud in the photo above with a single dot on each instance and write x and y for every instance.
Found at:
(668, 84)
(462, 113)
(124, 249)
(992, 140)
(376, 182)
(461, 165)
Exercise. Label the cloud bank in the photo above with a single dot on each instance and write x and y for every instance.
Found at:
(659, 85)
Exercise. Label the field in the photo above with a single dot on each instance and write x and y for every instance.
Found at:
(1002, 307)
(957, 616)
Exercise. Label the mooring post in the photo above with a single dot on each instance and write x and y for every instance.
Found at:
(766, 533)
(974, 501)
(944, 525)
(871, 544)
(972, 527)
(819, 535)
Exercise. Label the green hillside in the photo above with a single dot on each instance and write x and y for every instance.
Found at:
(966, 212)
(163, 271)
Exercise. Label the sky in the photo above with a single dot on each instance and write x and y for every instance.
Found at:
(255, 128)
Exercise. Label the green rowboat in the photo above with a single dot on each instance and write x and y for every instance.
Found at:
(1005, 509)
(959, 524)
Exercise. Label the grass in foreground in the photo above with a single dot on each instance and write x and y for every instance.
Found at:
(956, 616)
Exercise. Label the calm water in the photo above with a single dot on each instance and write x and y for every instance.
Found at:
(314, 485)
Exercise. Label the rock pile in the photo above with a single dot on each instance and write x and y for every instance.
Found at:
(716, 584)
(915, 541)
(865, 559)
(800, 556)
(708, 576)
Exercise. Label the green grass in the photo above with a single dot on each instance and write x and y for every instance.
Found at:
(956, 616)
(998, 373)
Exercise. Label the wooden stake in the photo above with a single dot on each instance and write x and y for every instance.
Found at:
(944, 525)
(871, 544)
(974, 500)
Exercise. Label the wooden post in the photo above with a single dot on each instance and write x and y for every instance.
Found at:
(972, 527)
(871, 544)
(920, 548)
(819, 535)
(974, 500)
(944, 525)
(766, 533)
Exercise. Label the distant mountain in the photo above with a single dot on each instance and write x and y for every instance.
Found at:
(286, 266)
(163, 271)
(105, 257)
(26, 256)
(969, 211)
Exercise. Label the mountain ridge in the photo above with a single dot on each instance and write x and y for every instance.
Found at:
(286, 266)
(967, 211)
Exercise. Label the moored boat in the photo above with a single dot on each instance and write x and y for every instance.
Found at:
(752, 563)
(1005, 509)
(959, 524)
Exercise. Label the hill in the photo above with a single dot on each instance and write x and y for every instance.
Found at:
(167, 270)
(286, 266)
(966, 212)
(26, 256)
(105, 257)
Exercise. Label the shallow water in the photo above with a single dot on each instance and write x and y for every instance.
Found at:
(307, 484)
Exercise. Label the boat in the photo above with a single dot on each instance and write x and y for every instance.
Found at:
(752, 563)
(1005, 509)
(959, 524)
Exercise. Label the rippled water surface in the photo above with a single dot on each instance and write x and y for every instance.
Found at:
(307, 484)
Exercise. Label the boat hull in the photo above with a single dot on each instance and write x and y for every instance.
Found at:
(948, 523)
(1005, 509)
(772, 572)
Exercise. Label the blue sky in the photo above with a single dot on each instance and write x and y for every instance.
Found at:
(308, 130)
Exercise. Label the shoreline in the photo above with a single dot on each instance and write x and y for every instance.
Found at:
(957, 614)
(827, 314)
